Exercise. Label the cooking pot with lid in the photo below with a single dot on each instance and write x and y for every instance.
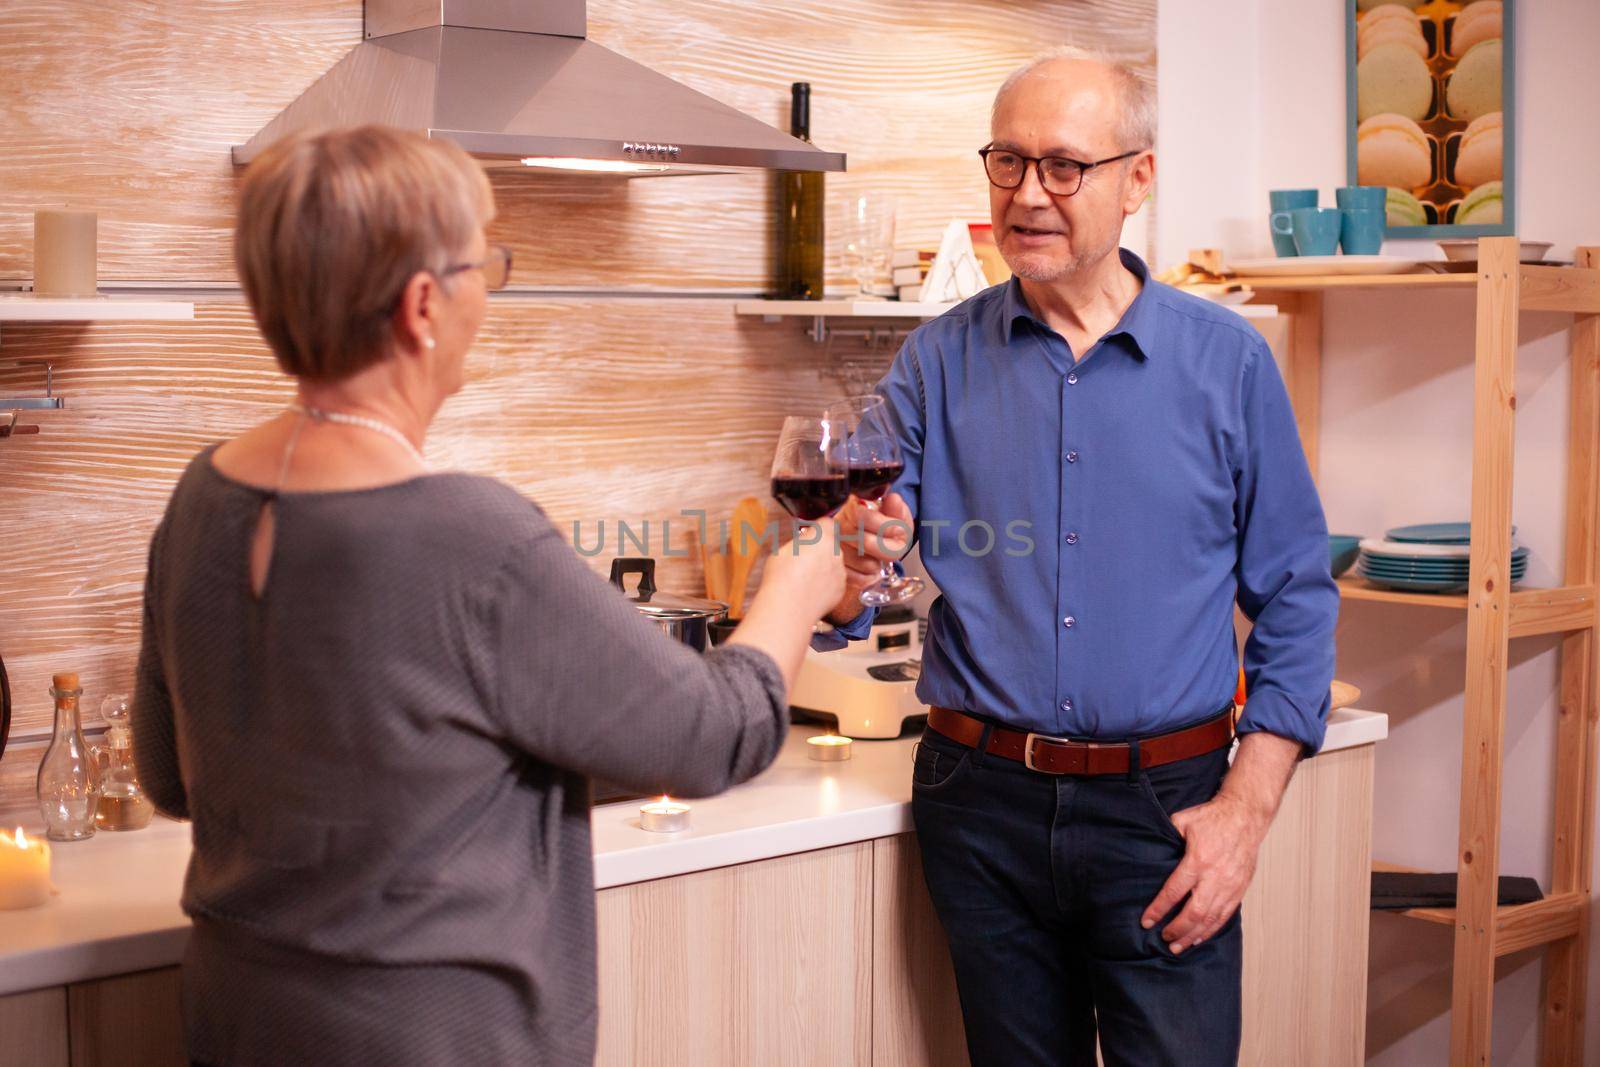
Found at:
(682, 618)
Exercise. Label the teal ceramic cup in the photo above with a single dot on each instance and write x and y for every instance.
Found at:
(1361, 232)
(1316, 230)
(1289, 199)
(1362, 198)
(1284, 201)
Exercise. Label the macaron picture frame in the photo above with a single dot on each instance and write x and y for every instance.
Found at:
(1430, 113)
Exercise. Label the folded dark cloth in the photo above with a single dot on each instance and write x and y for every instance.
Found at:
(1397, 890)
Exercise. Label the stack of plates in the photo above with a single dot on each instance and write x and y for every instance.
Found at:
(1432, 558)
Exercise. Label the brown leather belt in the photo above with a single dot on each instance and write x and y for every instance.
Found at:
(1059, 755)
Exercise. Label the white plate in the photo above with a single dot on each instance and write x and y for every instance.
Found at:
(1418, 551)
(1290, 266)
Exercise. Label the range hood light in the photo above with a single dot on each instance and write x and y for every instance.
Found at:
(593, 166)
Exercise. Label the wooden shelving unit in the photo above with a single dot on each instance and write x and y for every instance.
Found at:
(1496, 614)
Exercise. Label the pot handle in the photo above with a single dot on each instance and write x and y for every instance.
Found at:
(643, 566)
(5, 707)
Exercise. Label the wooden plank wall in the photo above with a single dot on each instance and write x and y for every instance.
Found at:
(642, 396)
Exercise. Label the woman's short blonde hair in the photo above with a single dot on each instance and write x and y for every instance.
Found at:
(331, 227)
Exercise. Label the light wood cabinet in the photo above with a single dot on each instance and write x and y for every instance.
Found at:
(33, 1028)
(764, 962)
(131, 1020)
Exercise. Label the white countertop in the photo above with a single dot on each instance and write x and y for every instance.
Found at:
(116, 908)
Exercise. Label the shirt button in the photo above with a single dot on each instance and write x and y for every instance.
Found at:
(1066, 705)
(1072, 457)
(1072, 379)
(1072, 538)
(1069, 622)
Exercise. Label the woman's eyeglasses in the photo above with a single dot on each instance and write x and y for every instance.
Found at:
(496, 267)
(1058, 175)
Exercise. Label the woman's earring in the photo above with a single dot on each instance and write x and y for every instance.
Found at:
(428, 342)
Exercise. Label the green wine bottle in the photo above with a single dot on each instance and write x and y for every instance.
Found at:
(800, 217)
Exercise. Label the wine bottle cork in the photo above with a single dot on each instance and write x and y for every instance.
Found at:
(65, 682)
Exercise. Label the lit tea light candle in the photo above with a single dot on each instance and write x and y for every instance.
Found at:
(829, 748)
(664, 816)
(24, 871)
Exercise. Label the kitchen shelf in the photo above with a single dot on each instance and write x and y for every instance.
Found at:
(1517, 926)
(92, 309)
(820, 312)
(1541, 288)
(1495, 615)
(1560, 609)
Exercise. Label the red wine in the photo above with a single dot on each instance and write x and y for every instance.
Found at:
(811, 498)
(870, 480)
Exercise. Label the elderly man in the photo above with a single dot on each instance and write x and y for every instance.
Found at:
(1084, 839)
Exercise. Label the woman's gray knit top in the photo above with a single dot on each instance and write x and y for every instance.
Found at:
(385, 757)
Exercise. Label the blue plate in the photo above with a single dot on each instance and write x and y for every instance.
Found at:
(1432, 564)
(1435, 533)
(1517, 556)
(1459, 573)
(1408, 585)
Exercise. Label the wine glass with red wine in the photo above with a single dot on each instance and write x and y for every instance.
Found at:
(872, 462)
(808, 471)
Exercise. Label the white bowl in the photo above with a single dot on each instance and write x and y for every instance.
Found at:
(1466, 250)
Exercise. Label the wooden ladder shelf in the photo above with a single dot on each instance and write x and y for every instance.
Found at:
(1496, 615)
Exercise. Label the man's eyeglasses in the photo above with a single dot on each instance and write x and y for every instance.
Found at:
(1058, 175)
(496, 267)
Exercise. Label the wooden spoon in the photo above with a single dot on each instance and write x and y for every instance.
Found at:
(744, 542)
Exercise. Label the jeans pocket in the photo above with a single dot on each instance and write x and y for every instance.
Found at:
(1162, 816)
(935, 768)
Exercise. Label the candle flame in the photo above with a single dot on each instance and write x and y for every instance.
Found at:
(20, 838)
(665, 799)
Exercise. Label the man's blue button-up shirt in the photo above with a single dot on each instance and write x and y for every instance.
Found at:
(1091, 523)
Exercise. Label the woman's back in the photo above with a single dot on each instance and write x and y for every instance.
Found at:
(384, 752)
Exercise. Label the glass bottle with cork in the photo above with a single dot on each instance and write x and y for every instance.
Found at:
(68, 786)
(123, 804)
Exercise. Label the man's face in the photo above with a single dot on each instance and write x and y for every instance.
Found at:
(1066, 108)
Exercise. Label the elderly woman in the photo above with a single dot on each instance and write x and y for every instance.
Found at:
(379, 692)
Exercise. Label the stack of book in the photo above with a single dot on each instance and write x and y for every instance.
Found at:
(910, 267)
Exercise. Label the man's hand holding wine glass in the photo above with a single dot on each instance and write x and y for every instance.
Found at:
(867, 545)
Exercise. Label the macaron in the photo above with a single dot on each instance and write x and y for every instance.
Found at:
(1390, 24)
(1393, 150)
(1484, 206)
(1481, 153)
(1480, 22)
(1393, 78)
(1368, 5)
(1403, 209)
(1474, 87)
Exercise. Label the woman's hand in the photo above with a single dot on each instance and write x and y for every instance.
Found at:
(809, 571)
(801, 581)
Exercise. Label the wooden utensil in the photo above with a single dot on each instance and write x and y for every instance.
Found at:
(744, 542)
(1343, 694)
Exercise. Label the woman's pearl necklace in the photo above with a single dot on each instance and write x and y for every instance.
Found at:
(365, 423)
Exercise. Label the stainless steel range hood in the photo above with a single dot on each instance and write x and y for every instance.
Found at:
(517, 84)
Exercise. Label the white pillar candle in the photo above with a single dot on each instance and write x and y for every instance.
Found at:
(64, 253)
(24, 871)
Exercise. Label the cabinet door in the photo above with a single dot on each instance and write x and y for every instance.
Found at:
(132, 1019)
(916, 1014)
(1306, 917)
(33, 1028)
(762, 963)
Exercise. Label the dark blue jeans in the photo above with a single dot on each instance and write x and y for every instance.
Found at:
(1040, 883)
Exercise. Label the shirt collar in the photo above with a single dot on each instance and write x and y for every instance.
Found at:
(1139, 323)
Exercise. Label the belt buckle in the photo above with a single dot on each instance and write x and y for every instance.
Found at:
(1027, 750)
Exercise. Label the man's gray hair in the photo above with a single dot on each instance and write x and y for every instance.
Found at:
(1137, 126)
